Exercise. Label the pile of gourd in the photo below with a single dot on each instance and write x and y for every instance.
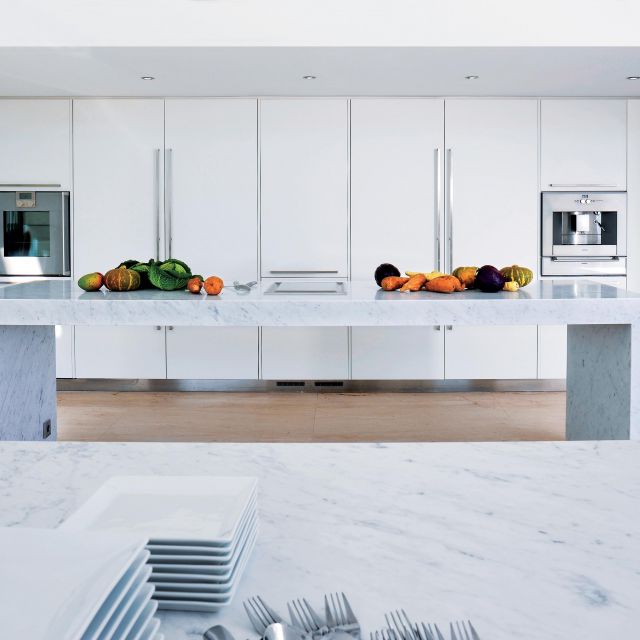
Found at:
(486, 278)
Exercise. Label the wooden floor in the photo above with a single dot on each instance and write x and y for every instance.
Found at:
(309, 417)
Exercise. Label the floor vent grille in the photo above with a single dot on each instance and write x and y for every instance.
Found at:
(330, 383)
(289, 383)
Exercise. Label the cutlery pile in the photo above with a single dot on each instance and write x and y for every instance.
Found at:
(339, 623)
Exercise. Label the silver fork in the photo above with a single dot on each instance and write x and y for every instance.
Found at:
(303, 616)
(340, 615)
(465, 631)
(261, 615)
(398, 622)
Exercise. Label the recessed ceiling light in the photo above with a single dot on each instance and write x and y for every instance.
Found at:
(633, 77)
(309, 77)
(147, 78)
(471, 77)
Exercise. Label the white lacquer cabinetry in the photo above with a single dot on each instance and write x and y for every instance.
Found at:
(35, 143)
(304, 174)
(118, 169)
(583, 145)
(212, 222)
(397, 147)
(492, 211)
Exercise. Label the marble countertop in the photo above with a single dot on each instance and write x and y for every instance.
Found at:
(528, 540)
(557, 301)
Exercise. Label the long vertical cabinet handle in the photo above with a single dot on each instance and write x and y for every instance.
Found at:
(156, 189)
(449, 199)
(168, 201)
(438, 202)
(450, 209)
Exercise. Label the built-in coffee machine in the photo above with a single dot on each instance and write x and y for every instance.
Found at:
(584, 234)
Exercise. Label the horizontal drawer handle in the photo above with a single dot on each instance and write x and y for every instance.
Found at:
(585, 259)
(304, 271)
(557, 184)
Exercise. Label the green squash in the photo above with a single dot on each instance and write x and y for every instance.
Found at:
(515, 273)
(122, 279)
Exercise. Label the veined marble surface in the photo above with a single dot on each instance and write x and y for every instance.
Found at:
(529, 540)
(364, 304)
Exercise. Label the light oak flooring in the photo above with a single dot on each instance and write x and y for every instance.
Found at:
(309, 417)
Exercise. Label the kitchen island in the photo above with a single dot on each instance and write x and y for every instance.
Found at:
(603, 377)
(528, 540)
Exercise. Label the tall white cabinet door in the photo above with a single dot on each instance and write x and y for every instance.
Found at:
(304, 187)
(583, 144)
(396, 198)
(305, 353)
(35, 142)
(212, 205)
(492, 216)
(118, 162)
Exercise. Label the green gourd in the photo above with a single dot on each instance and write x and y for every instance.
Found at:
(122, 279)
(515, 273)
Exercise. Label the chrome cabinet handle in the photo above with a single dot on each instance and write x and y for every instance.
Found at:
(156, 189)
(303, 271)
(29, 184)
(449, 169)
(585, 185)
(438, 204)
(168, 199)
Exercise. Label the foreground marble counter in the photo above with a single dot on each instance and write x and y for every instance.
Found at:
(530, 540)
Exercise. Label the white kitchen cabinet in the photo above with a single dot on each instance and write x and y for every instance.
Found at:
(64, 352)
(396, 200)
(397, 353)
(120, 352)
(118, 213)
(492, 213)
(212, 353)
(305, 353)
(212, 223)
(583, 145)
(304, 187)
(552, 341)
(35, 143)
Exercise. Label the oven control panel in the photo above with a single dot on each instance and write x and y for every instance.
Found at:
(25, 199)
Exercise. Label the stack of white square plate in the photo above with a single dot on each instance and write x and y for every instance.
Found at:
(68, 586)
(201, 531)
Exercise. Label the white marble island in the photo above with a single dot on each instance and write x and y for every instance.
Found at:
(603, 380)
(528, 540)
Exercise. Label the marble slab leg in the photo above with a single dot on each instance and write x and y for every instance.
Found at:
(603, 382)
(27, 382)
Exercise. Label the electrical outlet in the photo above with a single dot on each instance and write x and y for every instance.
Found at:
(46, 429)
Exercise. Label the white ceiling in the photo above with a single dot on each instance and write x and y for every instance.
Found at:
(320, 22)
(237, 71)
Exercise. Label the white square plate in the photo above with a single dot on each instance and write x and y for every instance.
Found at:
(72, 574)
(192, 583)
(168, 509)
(184, 601)
(203, 564)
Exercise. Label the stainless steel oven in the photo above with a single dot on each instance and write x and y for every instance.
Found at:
(584, 233)
(34, 233)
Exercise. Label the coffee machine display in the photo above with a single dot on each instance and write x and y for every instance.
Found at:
(584, 234)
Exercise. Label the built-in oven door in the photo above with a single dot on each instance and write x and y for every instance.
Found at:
(34, 234)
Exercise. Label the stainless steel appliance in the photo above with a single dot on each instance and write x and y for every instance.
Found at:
(584, 233)
(34, 233)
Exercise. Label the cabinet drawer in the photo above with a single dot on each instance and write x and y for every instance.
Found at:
(305, 353)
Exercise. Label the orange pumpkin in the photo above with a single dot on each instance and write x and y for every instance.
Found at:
(466, 275)
(122, 279)
(213, 285)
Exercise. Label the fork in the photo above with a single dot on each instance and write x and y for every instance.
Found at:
(340, 615)
(261, 614)
(303, 616)
(465, 631)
